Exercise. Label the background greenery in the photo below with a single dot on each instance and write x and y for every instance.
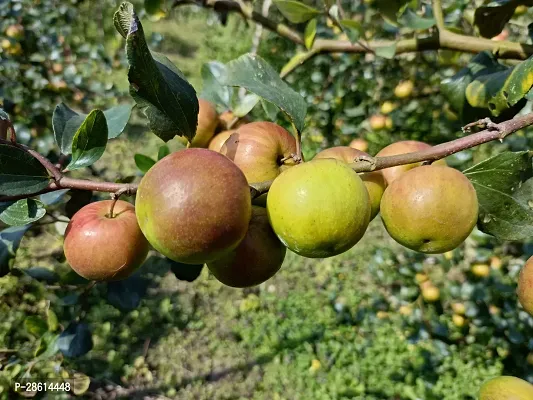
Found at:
(354, 326)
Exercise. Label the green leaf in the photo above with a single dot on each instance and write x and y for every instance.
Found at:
(256, 75)
(411, 20)
(21, 212)
(76, 340)
(3, 115)
(389, 9)
(90, 141)
(20, 173)
(35, 326)
(157, 86)
(352, 28)
(245, 105)
(126, 295)
(144, 163)
(66, 123)
(51, 320)
(295, 11)
(47, 347)
(51, 198)
(153, 6)
(491, 18)
(310, 33)
(9, 243)
(505, 201)
(42, 274)
(270, 109)
(387, 52)
(163, 152)
(212, 89)
(80, 383)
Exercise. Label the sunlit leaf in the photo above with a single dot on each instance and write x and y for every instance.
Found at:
(144, 163)
(295, 11)
(310, 33)
(21, 212)
(212, 89)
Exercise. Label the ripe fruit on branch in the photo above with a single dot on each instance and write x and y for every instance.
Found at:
(480, 270)
(262, 150)
(207, 123)
(404, 89)
(388, 107)
(194, 206)
(402, 147)
(379, 122)
(374, 182)
(506, 388)
(227, 117)
(218, 140)
(430, 209)
(104, 248)
(319, 208)
(525, 286)
(257, 258)
(430, 292)
(15, 31)
(359, 144)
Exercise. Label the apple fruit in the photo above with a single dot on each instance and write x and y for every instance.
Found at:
(194, 206)
(459, 308)
(503, 35)
(359, 144)
(458, 320)
(480, 270)
(15, 31)
(402, 147)
(506, 388)
(219, 139)
(520, 10)
(430, 293)
(525, 286)
(430, 209)
(225, 119)
(257, 258)
(378, 122)
(374, 182)
(387, 107)
(207, 123)
(262, 150)
(404, 89)
(101, 247)
(319, 209)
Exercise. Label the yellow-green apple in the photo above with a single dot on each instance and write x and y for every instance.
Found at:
(262, 150)
(402, 147)
(104, 247)
(388, 107)
(374, 182)
(219, 139)
(404, 89)
(15, 31)
(319, 209)
(430, 209)
(257, 258)
(525, 286)
(378, 122)
(194, 206)
(506, 388)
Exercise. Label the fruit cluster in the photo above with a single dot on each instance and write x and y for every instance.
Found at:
(195, 207)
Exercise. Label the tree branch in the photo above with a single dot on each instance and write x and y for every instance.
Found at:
(438, 14)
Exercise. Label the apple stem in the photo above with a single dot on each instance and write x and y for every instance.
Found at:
(114, 197)
(298, 159)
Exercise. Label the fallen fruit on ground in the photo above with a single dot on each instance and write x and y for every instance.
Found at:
(374, 182)
(506, 388)
(218, 140)
(104, 248)
(194, 206)
(402, 147)
(257, 258)
(207, 123)
(262, 150)
(525, 286)
(319, 208)
(430, 209)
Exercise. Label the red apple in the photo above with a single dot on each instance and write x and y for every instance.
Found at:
(104, 248)
(207, 123)
(262, 150)
(219, 139)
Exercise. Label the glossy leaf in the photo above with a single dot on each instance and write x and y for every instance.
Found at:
(296, 11)
(256, 75)
(9, 243)
(21, 212)
(163, 152)
(42, 274)
(505, 195)
(144, 163)
(76, 340)
(20, 173)
(126, 295)
(157, 86)
(51, 198)
(89, 141)
(35, 325)
(310, 33)
(491, 18)
(212, 89)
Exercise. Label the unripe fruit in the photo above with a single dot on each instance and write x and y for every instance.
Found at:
(374, 182)
(388, 107)
(102, 248)
(262, 150)
(194, 206)
(430, 209)
(520, 10)
(430, 293)
(402, 147)
(459, 308)
(207, 123)
(421, 278)
(404, 89)
(257, 258)
(319, 208)
(525, 286)
(480, 270)
(218, 140)
(406, 310)
(388, 123)
(506, 388)
(458, 320)
(359, 144)
(378, 122)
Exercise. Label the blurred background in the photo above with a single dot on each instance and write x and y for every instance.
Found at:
(378, 322)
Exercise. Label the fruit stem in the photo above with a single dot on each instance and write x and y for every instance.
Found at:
(298, 157)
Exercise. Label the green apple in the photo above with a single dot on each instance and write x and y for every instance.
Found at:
(257, 258)
(194, 206)
(319, 208)
(506, 388)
